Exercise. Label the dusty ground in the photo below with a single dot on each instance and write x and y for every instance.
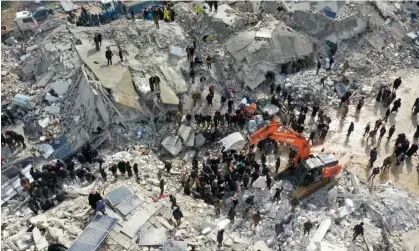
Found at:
(356, 146)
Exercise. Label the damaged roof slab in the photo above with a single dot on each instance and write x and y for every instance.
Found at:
(115, 77)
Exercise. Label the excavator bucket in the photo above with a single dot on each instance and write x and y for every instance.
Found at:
(305, 191)
(264, 132)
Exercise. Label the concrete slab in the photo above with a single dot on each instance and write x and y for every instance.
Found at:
(153, 207)
(185, 132)
(115, 77)
(377, 42)
(172, 144)
(319, 234)
(237, 44)
(153, 237)
(129, 204)
(234, 141)
(131, 227)
(164, 222)
(61, 86)
(167, 95)
(173, 79)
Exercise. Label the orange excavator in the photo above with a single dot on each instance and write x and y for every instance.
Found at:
(307, 172)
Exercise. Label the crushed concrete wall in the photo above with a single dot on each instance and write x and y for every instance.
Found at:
(321, 27)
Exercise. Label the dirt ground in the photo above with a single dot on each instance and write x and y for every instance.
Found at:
(357, 149)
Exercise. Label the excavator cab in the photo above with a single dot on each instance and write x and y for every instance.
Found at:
(314, 173)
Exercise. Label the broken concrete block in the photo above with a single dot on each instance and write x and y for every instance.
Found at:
(32, 48)
(176, 51)
(173, 144)
(185, 132)
(50, 47)
(191, 140)
(199, 140)
(167, 95)
(224, 224)
(319, 234)
(60, 87)
(234, 141)
(51, 98)
(52, 109)
(23, 101)
(11, 41)
(44, 122)
(40, 242)
(38, 220)
(355, 183)
(206, 231)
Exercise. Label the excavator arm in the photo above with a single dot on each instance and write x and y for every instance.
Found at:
(284, 135)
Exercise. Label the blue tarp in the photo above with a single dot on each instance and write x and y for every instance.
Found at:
(61, 141)
(328, 12)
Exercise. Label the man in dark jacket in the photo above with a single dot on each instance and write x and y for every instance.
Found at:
(109, 55)
(220, 237)
(358, 230)
(93, 198)
(178, 215)
(161, 187)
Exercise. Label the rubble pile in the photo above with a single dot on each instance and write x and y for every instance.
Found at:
(385, 213)
(66, 94)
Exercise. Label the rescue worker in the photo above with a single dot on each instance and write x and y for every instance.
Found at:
(388, 112)
(129, 169)
(220, 237)
(178, 215)
(96, 41)
(319, 66)
(307, 227)
(161, 187)
(386, 163)
(93, 198)
(412, 150)
(382, 132)
(391, 131)
(114, 170)
(350, 129)
(172, 199)
(373, 156)
(277, 164)
(109, 55)
(358, 230)
(256, 219)
(360, 104)
(374, 173)
(208, 61)
(367, 129)
(156, 18)
(396, 105)
(277, 195)
(167, 166)
(345, 68)
(397, 82)
(135, 168)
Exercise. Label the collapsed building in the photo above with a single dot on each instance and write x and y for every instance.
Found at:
(68, 96)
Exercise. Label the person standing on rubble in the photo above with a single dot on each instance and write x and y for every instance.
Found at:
(391, 131)
(382, 132)
(358, 230)
(135, 169)
(156, 18)
(277, 195)
(386, 163)
(167, 166)
(256, 219)
(307, 227)
(373, 156)
(397, 82)
(388, 112)
(178, 215)
(129, 169)
(350, 129)
(220, 237)
(208, 61)
(151, 82)
(277, 164)
(345, 66)
(109, 55)
(375, 171)
(161, 187)
(319, 66)
(172, 199)
(209, 99)
(96, 40)
(396, 105)
(114, 170)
